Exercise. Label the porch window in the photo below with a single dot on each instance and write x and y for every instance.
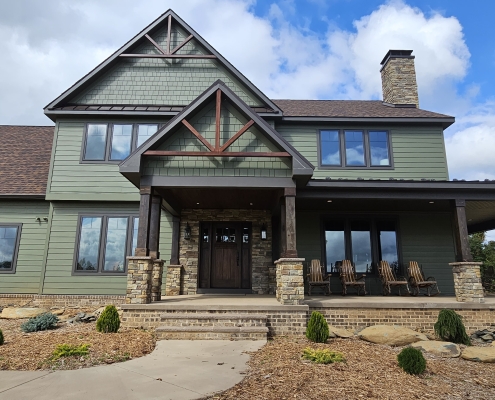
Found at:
(114, 142)
(364, 241)
(104, 242)
(9, 246)
(354, 149)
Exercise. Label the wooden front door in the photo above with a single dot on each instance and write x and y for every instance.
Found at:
(225, 255)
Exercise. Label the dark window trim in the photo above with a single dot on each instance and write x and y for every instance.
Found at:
(102, 242)
(16, 247)
(367, 150)
(108, 140)
(372, 219)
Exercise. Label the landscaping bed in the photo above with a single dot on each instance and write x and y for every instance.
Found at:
(371, 371)
(33, 351)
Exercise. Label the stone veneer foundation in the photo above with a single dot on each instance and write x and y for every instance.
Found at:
(173, 280)
(262, 270)
(467, 282)
(290, 281)
(139, 277)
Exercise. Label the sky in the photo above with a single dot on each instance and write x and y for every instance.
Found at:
(299, 49)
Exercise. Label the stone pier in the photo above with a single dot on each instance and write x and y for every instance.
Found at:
(139, 272)
(157, 280)
(467, 282)
(290, 281)
(173, 281)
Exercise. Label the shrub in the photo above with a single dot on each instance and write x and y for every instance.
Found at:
(109, 321)
(67, 350)
(450, 327)
(1, 337)
(412, 361)
(325, 356)
(41, 322)
(317, 330)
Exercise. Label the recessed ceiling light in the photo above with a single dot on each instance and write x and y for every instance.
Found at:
(329, 201)
(250, 204)
(470, 219)
(431, 202)
(197, 204)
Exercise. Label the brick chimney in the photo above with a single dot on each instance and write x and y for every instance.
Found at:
(399, 79)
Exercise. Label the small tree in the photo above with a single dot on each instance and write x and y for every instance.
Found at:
(450, 327)
(109, 321)
(317, 330)
(412, 361)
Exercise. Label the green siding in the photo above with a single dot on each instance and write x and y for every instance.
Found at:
(417, 152)
(58, 276)
(31, 247)
(159, 81)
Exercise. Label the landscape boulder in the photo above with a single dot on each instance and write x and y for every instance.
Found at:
(340, 332)
(391, 335)
(481, 354)
(442, 349)
(24, 312)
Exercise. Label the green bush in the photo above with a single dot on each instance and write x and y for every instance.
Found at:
(1, 337)
(325, 356)
(317, 330)
(41, 322)
(109, 321)
(412, 361)
(450, 327)
(67, 350)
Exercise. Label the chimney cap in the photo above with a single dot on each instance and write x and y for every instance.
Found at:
(398, 54)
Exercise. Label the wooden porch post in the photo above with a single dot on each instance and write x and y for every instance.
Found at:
(461, 231)
(142, 249)
(174, 255)
(154, 236)
(289, 248)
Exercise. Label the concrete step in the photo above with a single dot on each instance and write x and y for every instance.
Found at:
(212, 332)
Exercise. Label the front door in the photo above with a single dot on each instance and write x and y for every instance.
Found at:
(225, 254)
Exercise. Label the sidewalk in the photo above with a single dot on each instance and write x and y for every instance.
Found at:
(176, 369)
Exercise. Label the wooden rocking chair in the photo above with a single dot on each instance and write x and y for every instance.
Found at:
(348, 278)
(389, 280)
(418, 281)
(317, 277)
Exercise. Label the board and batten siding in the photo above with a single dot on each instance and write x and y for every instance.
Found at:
(417, 152)
(26, 278)
(59, 278)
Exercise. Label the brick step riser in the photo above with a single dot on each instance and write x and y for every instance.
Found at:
(202, 322)
(210, 336)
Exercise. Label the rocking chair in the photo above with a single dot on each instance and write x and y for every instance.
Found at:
(418, 281)
(389, 280)
(317, 277)
(348, 278)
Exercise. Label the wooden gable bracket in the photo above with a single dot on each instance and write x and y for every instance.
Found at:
(216, 150)
(167, 53)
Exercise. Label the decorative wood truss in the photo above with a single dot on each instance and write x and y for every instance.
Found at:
(168, 53)
(216, 150)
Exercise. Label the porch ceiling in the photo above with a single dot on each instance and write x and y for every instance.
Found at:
(480, 215)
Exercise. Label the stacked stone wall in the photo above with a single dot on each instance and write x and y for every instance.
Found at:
(399, 81)
(467, 282)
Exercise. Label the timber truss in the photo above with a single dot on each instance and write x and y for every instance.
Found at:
(168, 52)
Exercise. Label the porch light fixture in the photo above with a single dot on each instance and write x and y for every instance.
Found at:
(263, 232)
(187, 232)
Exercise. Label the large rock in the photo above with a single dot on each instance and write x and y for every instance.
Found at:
(442, 349)
(18, 313)
(340, 332)
(482, 354)
(391, 335)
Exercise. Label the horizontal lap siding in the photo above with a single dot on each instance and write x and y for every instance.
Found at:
(417, 153)
(31, 247)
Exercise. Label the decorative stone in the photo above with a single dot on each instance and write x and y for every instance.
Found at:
(467, 282)
(391, 335)
(18, 313)
(340, 332)
(481, 354)
(290, 281)
(442, 349)
(487, 337)
(156, 280)
(173, 280)
(139, 275)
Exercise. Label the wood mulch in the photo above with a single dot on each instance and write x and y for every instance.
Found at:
(277, 371)
(33, 351)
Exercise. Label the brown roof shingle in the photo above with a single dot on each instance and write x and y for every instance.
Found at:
(350, 109)
(25, 153)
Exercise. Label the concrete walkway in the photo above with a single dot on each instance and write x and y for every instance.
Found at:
(176, 369)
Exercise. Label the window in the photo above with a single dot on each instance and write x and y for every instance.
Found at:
(9, 245)
(364, 241)
(104, 242)
(114, 142)
(354, 149)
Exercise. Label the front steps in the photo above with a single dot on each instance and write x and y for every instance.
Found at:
(212, 326)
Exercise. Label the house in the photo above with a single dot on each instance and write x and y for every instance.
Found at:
(166, 158)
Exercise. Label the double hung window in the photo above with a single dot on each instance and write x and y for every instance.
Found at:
(104, 242)
(9, 245)
(355, 148)
(114, 142)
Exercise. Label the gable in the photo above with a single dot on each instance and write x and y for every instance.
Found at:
(166, 64)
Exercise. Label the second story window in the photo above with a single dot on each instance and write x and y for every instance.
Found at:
(354, 148)
(114, 142)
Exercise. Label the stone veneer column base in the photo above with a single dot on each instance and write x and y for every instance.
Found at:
(173, 281)
(157, 280)
(290, 281)
(139, 272)
(467, 282)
